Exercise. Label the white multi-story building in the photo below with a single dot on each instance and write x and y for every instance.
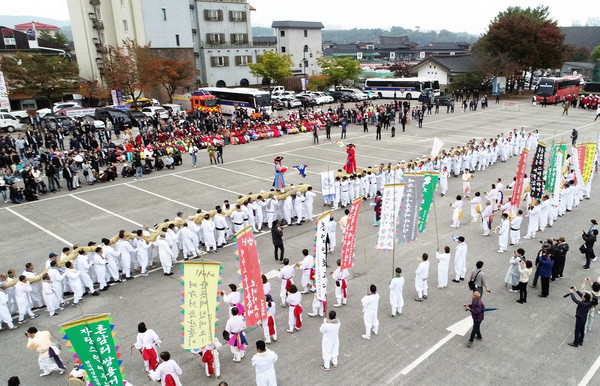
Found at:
(303, 41)
(101, 25)
(222, 38)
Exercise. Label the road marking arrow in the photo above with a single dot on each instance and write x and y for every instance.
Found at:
(459, 328)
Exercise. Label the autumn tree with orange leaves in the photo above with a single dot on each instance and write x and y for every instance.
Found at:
(175, 75)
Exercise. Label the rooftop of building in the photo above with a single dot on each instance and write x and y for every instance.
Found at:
(38, 26)
(297, 24)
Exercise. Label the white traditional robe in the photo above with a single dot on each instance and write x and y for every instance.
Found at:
(396, 298)
(169, 367)
(370, 305)
(460, 261)
(421, 275)
(264, 366)
(330, 345)
(443, 264)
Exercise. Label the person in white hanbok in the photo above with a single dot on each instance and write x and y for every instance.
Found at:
(370, 303)
(208, 233)
(456, 212)
(443, 264)
(147, 343)
(460, 260)
(330, 344)
(264, 365)
(534, 218)
(125, 252)
(50, 296)
(396, 298)
(167, 368)
(187, 242)
(5, 315)
(421, 275)
(48, 358)
(143, 248)
(74, 280)
(22, 295)
(165, 253)
(503, 230)
(515, 228)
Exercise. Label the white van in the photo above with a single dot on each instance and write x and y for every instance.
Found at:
(174, 109)
(9, 123)
(357, 95)
(64, 105)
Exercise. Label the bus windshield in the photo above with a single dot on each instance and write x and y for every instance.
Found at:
(546, 87)
(263, 100)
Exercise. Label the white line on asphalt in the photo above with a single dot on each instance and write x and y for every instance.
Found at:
(204, 183)
(244, 174)
(588, 376)
(38, 226)
(158, 195)
(106, 210)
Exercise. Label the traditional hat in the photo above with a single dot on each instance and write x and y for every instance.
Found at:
(277, 159)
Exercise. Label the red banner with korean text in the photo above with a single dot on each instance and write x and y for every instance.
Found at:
(350, 234)
(517, 192)
(581, 150)
(254, 295)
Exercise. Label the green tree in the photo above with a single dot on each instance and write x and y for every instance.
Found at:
(58, 38)
(272, 66)
(340, 69)
(176, 74)
(595, 55)
(132, 69)
(519, 39)
(40, 75)
(318, 82)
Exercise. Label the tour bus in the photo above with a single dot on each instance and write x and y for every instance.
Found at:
(401, 88)
(555, 90)
(252, 99)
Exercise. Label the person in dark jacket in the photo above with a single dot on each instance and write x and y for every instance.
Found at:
(560, 256)
(476, 307)
(590, 240)
(277, 235)
(583, 307)
(545, 269)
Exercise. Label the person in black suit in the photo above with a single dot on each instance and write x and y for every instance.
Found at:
(583, 307)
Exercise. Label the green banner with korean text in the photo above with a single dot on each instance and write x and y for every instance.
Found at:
(429, 185)
(92, 340)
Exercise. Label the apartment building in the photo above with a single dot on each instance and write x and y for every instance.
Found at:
(223, 44)
(100, 26)
(303, 41)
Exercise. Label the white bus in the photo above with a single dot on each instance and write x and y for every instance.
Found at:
(401, 88)
(252, 99)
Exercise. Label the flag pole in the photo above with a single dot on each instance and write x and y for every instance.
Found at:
(437, 235)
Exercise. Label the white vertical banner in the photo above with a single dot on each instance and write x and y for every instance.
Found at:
(437, 146)
(579, 184)
(391, 200)
(558, 177)
(328, 185)
(321, 257)
(4, 101)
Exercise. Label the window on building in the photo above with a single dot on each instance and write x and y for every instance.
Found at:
(177, 40)
(243, 60)
(193, 37)
(237, 16)
(239, 38)
(305, 33)
(215, 38)
(219, 61)
(213, 15)
(191, 14)
(282, 34)
(282, 49)
(101, 36)
(306, 48)
(164, 14)
(125, 26)
(98, 13)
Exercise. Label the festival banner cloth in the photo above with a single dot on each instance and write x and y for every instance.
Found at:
(350, 234)
(92, 340)
(321, 256)
(517, 192)
(328, 185)
(558, 180)
(549, 182)
(410, 208)
(590, 157)
(390, 207)
(536, 177)
(429, 184)
(252, 285)
(200, 292)
(581, 153)
(576, 166)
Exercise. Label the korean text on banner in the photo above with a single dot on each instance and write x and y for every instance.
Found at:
(590, 157)
(517, 192)
(321, 257)
(350, 234)
(408, 218)
(93, 341)
(429, 184)
(558, 180)
(536, 177)
(581, 153)
(328, 185)
(390, 206)
(254, 295)
(201, 287)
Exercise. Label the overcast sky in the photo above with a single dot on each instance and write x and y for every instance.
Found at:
(455, 15)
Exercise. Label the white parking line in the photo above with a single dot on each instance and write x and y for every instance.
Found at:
(158, 195)
(588, 376)
(106, 210)
(38, 226)
(205, 184)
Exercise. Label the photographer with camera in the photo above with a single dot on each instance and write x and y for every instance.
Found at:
(560, 256)
(595, 294)
(583, 307)
(544, 269)
(589, 240)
